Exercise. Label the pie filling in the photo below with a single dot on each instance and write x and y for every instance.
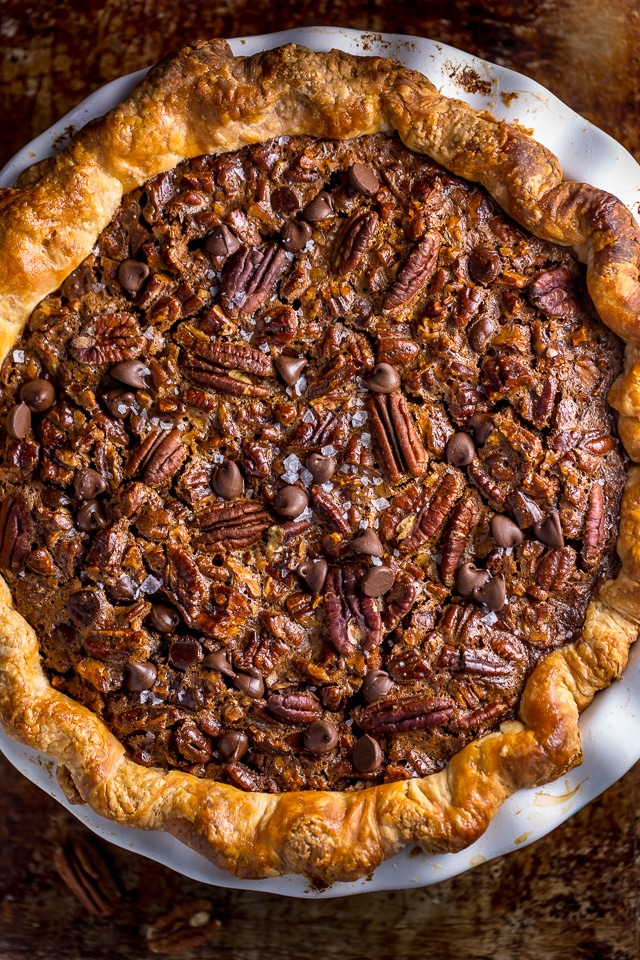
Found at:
(308, 465)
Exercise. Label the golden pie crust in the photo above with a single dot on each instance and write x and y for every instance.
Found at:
(204, 100)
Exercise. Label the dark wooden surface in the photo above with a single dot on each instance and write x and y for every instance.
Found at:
(571, 895)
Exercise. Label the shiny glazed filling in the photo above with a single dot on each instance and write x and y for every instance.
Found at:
(307, 465)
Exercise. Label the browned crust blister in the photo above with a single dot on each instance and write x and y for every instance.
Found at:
(204, 100)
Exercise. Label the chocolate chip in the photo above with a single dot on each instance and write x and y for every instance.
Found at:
(18, 422)
(469, 579)
(290, 368)
(221, 242)
(123, 590)
(39, 395)
(460, 450)
(132, 274)
(130, 372)
(164, 618)
(84, 607)
(492, 594)
(321, 468)
(90, 517)
(227, 481)
(290, 502)
(368, 543)
(367, 754)
(88, 484)
(314, 574)
(140, 675)
(251, 684)
(233, 745)
(319, 208)
(484, 265)
(118, 402)
(55, 499)
(505, 532)
(320, 737)
(482, 426)
(376, 685)
(363, 179)
(219, 661)
(481, 332)
(383, 379)
(377, 581)
(550, 531)
(296, 235)
(184, 652)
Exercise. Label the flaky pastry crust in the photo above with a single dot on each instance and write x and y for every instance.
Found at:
(204, 100)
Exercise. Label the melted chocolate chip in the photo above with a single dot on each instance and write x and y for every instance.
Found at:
(290, 368)
(219, 661)
(482, 426)
(362, 179)
(132, 274)
(320, 737)
(314, 574)
(376, 685)
(290, 502)
(118, 403)
(377, 581)
(88, 484)
(296, 235)
(368, 543)
(164, 618)
(505, 532)
(84, 607)
(132, 373)
(184, 652)
(18, 422)
(250, 684)
(140, 675)
(492, 594)
(227, 481)
(321, 468)
(549, 531)
(484, 265)
(90, 517)
(367, 754)
(123, 590)
(481, 332)
(469, 579)
(39, 395)
(319, 208)
(233, 745)
(460, 450)
(221, 242)
(383, 379)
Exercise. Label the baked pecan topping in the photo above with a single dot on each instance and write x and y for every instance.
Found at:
(304, 505)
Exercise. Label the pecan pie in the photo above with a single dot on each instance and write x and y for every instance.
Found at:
(311, 486)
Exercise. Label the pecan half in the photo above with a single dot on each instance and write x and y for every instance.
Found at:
(433, 514)
(594, 528)
(233, 356)
(231, 526)
(364, 609)
(414, 274)
(337, 612)
(456, 536)
(183, 576)
(188, 926)
(396, 438)
(329, 510)
(400, 716)
(85, 871)
(294, 708)
(16, 531)
(356, 238)
(480, 717)
(159, 456)
(399, 600)
(552, 292)
(250, 277)
(109, 338)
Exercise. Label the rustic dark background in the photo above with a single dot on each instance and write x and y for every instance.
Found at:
(572, 894)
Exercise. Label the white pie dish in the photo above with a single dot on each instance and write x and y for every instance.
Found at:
(610, 724)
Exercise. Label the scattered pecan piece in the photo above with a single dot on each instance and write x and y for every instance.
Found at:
(250, 277)
(188, 926)
(387, 717)
(16, 531)
(396, 438)
(231, 526)
(84, 869)
(414, 274)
